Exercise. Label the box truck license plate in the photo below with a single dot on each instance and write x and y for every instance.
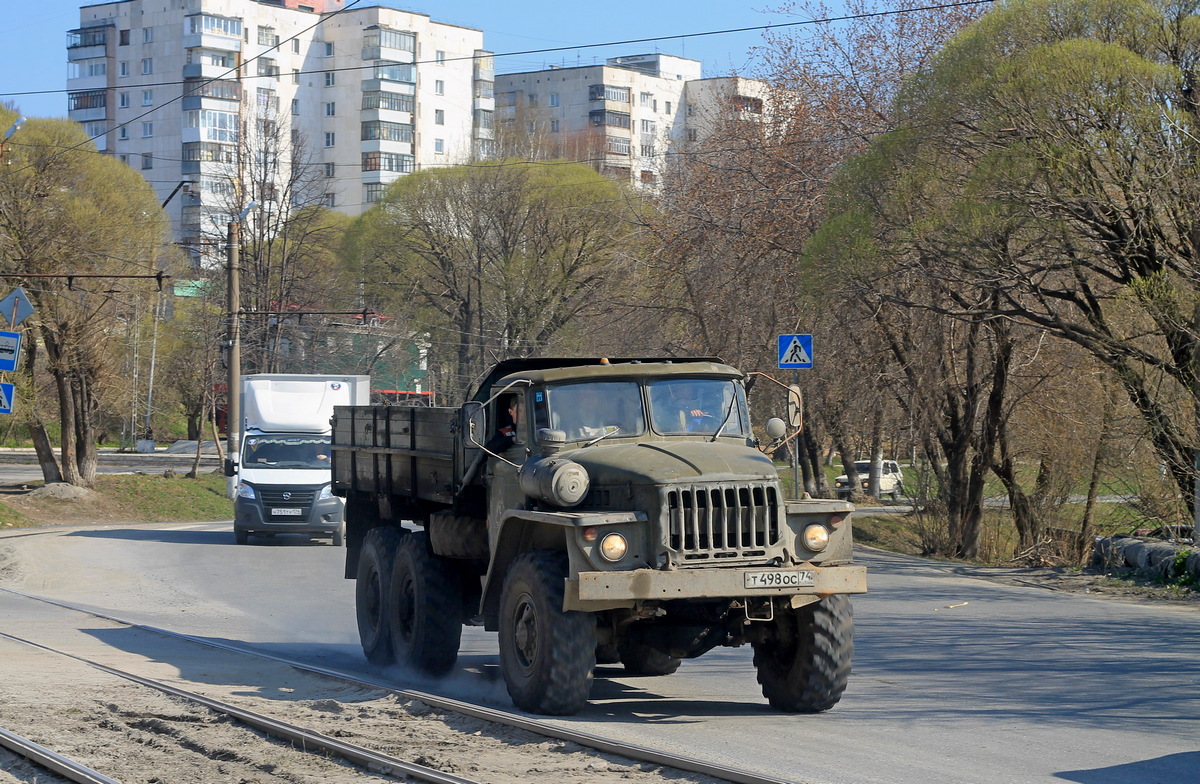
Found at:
(284, 511)
(777, 579)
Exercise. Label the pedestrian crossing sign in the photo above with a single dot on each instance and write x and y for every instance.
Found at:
(795, 352)
(6, 398)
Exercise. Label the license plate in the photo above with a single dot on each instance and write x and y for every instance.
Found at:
(773, 578)
(287, 512)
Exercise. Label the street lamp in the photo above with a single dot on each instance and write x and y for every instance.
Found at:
(16, 126)
(233, 409)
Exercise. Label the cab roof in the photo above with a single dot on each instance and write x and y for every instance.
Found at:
(554, 369)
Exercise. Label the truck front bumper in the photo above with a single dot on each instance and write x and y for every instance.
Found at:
(592, 591)
(322, 517)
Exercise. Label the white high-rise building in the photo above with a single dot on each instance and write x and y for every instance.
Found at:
(287, 102)
(624, 117)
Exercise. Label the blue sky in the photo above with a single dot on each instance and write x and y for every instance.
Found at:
(33, 36)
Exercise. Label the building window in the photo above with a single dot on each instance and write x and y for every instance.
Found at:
(608, 92)
(649, 126)
(373, 192)
(329, 200)
(668, 107)
(646, 99)
(295, 46)
(554, 126)
(295, 76)
(439, 117)
(331, 170)
(94, 129)
(396, 102)
(395, 72)
(123, 100)
(329, 49)
(387, 161)
(439, 146)
(266, 36)
(147, 97)
(219, 25)
(647, 177)
(147, 129)
(439, 87)
(611, 119)
(123, 68)
(226, 91)
(330, 78)
(123, 38)
(553, 99)
(123, 132)
(692, 135)
(330, 109)
(147, 35)
(647, 150)
(295, 106)
(268, 67)
(148, 65)
(439, 57)
(147, 161)
(330, 138)
(387, 131)
(215, 126)
(533, 99)
(616, 145)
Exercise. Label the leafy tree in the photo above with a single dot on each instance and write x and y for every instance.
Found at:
(491, 260)
(1050, 157)
(64, 210)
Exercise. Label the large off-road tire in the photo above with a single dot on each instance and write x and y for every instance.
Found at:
(427, 605)
(373, 583)
(640, 659)
(458, 536)
(547, 654)
(803, 667)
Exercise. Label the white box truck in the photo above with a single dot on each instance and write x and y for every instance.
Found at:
(283, 469)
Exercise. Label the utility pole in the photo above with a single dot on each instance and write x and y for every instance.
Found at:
(233, 407)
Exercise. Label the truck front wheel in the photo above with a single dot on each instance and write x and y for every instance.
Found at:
(804, 664)
(427, 600)
(371, 588)
(547, 654)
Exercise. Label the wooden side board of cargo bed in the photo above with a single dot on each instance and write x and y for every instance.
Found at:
(405, 451)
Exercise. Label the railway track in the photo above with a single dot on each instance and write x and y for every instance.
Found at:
(372, 711)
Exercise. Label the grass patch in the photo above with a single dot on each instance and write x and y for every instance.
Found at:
(130, 498)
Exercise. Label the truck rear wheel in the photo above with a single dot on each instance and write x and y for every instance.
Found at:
(547, 654)
(371, 588)
(427, 601)
(803, 667)
(641, 659)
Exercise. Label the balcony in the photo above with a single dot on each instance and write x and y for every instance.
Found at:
(206, 71)
(224, 43)
(87, 43)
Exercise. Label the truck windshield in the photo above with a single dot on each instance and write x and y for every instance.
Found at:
(697, 405)
(592, 409)
(285, 451)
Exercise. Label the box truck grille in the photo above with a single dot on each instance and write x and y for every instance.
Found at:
(722, 521)
(273, 498)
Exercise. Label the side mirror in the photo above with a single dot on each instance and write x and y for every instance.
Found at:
(776, 428)
(230, 467)
(474, 424)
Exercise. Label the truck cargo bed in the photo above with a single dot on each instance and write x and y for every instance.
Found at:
(401, 451)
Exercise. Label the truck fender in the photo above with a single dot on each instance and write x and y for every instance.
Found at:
(522, 530)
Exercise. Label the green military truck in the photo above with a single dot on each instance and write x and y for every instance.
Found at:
(593, 510)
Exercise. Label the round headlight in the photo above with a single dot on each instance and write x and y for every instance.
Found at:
(613, 547)
(816, 537)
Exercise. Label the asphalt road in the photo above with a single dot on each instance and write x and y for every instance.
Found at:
(956, 679)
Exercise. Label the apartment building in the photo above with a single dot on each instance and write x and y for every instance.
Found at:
(287, 102)
(624, 116)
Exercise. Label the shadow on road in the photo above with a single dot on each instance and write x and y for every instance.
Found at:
(178, 536)
(1172, 767)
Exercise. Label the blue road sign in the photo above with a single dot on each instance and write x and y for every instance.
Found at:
(10, 350)
(16, 307)
(6, 398)
(795, 352)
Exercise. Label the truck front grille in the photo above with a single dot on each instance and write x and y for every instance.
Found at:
(722, 521)
(296, 498)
